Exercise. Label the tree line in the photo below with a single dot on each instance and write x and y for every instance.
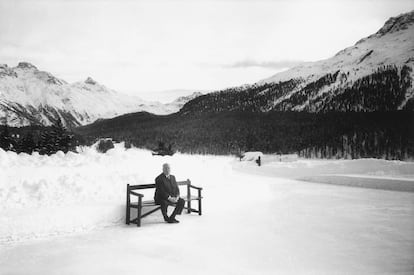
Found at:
(44, 140)
(386, 135)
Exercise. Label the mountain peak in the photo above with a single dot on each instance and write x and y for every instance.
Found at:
(193, 95)
(397, 23)
(90, 80)
(26, 65)
(184, 99)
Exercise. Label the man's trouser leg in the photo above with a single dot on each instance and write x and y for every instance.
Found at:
(164, 206)
(178, 208)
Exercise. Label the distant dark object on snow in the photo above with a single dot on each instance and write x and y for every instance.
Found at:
(162, 150)
(252, 156)
(127, 144)
(104, 145)
(163, 153)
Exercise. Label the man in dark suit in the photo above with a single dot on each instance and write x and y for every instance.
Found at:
(168, 193)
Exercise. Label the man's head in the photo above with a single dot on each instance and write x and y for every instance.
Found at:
(166, 169)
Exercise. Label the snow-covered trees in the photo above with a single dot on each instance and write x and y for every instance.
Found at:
(6, 141)
(27, 144)
(45, 140)
(55, 139)
(383, 90)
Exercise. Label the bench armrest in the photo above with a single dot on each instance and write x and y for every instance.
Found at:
(136, 194)
(195, 187)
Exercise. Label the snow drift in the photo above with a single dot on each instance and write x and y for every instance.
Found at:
(63, 193)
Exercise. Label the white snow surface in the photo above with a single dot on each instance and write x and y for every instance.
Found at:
(64, 214)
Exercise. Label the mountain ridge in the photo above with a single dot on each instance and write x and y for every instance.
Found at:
(29, 96)
(375, 74)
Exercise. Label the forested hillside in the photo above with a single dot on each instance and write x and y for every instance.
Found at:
(387, 135)
(387, 88)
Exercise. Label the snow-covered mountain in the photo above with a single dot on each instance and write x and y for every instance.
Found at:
(393, 44)
(178, 103)
(374, 74)
(30, 96)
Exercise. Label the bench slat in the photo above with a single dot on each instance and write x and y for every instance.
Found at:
(152, 185)
(152, 202)
(141, 186)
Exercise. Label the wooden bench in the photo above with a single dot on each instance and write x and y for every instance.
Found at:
(141, 203)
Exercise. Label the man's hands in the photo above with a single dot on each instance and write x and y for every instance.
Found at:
(173, 199)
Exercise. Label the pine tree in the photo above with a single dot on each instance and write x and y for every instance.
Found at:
(46, 143)
(27, 144)
(57, 139)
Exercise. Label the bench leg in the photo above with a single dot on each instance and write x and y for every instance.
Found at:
(127, 215)
(128, 209)
(188, 199)
(139, 217)
(188, 206)
(139, 212)
(199, 202)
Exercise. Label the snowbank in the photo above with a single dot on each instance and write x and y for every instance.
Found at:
(64, 193)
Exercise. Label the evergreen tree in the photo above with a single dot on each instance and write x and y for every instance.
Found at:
(56, 139)
(6, 142)
(27, 144)
(46, 144)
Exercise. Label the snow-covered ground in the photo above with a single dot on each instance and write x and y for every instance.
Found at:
(64, 214)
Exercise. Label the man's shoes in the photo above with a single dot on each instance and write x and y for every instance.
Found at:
(173, 220)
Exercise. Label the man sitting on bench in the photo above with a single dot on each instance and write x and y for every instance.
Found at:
(168, 193)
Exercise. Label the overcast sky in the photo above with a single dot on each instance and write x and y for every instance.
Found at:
(140, 47)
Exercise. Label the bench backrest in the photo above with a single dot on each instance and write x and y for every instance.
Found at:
(152, 185)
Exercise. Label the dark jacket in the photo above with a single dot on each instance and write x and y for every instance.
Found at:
(165, 187)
